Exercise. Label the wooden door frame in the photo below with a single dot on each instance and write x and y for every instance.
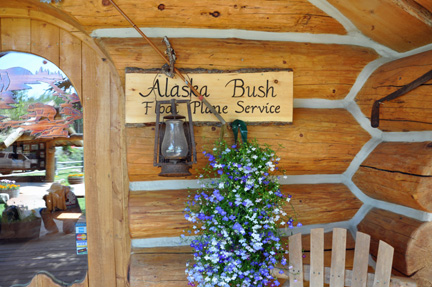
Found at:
(29, 29)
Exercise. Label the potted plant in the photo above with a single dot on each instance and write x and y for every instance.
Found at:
(10, 187)
(75, 178)
(236, 218)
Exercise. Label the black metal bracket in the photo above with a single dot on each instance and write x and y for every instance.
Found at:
(405, 89)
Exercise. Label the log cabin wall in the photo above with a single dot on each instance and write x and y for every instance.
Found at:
(344, 54)
(329, 142)
(335, 85)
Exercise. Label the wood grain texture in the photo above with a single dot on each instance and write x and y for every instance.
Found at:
(275, 16)
(43, 280)
(10, 28)
(383, 264)
(98, 179)
(337, 272)
(165, 269)
(409, 112)
(160, 213)
(45, 39)
(164, 266)
(70, 59)
(27, 10)
(296, 260)
(361, 259)
(387, 23)
(333, 202)
(410, 238)
(36, 10)
(157, 213)
(400, 173)
(426, 4)
(120, 183)
(328, 243)
(320, 71)
(255, 96)
(105, 153)
(317, 257)
(50, 162)
(307, 148)
(328, 249)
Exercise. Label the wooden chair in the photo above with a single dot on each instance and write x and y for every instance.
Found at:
(337, 276)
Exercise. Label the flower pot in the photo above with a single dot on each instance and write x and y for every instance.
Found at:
(12, 192)
(75, 179)
(21, 229)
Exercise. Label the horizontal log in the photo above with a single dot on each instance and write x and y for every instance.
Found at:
(325, 71)
(322, 203)
(160, 213)
(276, 16)
(159, 270)
(168, 268)
(165, 265)
(411, 239)
(157, 213)
(400, 173)
(391, 23)
(411, 111)
(318, 142)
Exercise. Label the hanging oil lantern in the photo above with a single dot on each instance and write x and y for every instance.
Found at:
(174, 149)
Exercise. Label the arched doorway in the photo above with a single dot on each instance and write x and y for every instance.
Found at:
(40, 143)
(41, 30)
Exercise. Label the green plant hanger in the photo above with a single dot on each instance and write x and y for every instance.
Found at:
(235, 126)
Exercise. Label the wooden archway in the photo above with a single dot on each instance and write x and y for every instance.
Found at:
(32, 27)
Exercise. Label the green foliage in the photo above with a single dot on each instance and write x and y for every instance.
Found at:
(81, 202)
(69, 153)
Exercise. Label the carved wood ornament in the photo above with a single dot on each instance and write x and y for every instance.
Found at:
(42, 120)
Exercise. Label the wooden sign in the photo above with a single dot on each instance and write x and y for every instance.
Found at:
(251, 97)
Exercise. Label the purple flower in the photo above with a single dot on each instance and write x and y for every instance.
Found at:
(239, 228)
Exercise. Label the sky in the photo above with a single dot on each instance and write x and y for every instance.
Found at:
(32, 63)
(28, 61)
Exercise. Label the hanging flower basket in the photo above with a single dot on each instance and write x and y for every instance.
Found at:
(75, 178)
(237, 219)
(9, 187)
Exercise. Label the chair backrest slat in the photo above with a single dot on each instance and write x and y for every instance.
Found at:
(384, 265)
(337, 276)
(317, 258)
(296, 261)
(337, 272)
(361, 260)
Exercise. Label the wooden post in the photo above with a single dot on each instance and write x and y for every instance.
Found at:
(50, 161)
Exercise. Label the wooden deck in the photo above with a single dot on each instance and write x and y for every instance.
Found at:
(54, 254)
